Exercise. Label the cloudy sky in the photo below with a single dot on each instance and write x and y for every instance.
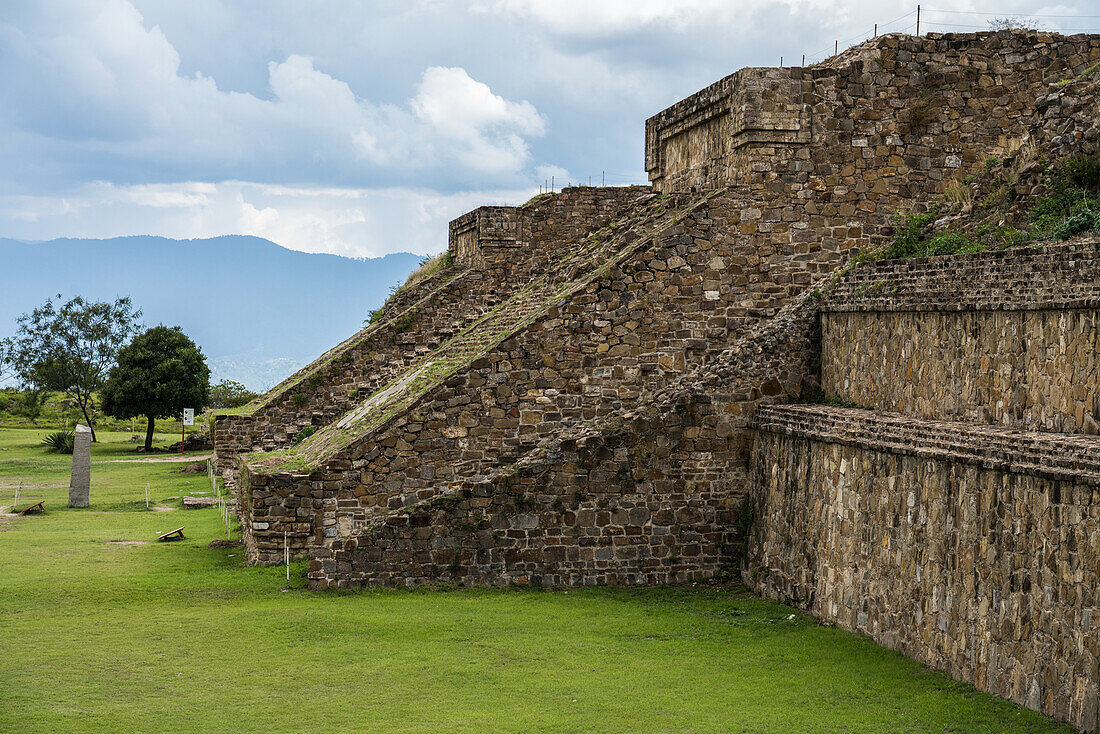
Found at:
(361, 128)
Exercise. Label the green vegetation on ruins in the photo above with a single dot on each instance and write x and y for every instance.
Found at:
(982, 212)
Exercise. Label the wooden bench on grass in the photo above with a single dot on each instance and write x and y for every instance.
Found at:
(35, 508)
(171, 535)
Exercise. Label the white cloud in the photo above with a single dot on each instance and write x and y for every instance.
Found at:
(93, 75)
(486, 129)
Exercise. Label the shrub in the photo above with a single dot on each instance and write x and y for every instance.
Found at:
(958, 195)
(1084, 216)
(300, 399)
(304, 433)
(1083, 171)
(60, 441)
(405, 321)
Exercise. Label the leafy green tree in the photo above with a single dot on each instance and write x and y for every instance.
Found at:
(5, 358)
(159, 373)
(70, 347)
(229, 394)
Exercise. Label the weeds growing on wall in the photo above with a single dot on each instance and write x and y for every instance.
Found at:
(429, 266)
(1068, 205)
(303, 434)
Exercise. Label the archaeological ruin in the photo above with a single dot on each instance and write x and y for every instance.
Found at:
(726, 375)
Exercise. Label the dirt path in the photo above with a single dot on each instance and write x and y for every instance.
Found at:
(29, 485)
(154, 460)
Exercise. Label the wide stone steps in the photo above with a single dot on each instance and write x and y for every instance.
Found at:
(578, 266)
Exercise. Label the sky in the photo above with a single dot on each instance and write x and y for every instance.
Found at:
(361, 128)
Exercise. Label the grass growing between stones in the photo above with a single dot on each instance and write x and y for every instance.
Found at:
(98, 636)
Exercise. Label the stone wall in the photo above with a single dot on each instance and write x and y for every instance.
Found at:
(511, 243)
(971, 549)
(903, 114)
(754, 115)
(1009, 338)
(486, 233)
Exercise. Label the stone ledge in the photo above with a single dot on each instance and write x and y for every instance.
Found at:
(1055, 456)
(1055, 276)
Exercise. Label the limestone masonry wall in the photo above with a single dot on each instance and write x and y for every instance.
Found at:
(672, 305)
(602, 385)
(1010, 338)
(968, 551)
(901, 113)
(970, 546)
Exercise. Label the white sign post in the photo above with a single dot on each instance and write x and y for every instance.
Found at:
(188, 420)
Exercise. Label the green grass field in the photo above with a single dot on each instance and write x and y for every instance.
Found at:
(98, 636)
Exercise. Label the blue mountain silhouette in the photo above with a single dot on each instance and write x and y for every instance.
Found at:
(258, 310)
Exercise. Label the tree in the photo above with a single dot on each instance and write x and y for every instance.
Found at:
(71, 347)
(230, 394)
(5, 358)
(159, 373)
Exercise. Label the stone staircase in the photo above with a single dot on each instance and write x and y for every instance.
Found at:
(364, 456)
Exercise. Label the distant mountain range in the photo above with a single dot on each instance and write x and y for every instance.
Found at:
(258, 311)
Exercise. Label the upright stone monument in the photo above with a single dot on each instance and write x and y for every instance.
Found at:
(81, 480)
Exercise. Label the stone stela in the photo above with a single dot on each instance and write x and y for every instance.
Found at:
(80, 482)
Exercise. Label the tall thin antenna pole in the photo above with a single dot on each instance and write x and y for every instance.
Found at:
(876, 30)
(836, 47)
(918, 20)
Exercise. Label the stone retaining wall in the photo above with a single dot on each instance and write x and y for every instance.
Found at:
(1009, 338)
(972, 550)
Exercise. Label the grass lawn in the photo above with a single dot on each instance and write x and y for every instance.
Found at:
(100, 636)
